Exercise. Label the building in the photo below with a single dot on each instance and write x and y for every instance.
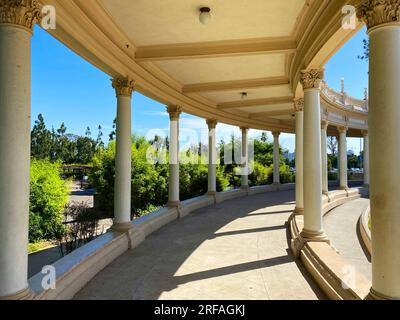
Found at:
(252, 69)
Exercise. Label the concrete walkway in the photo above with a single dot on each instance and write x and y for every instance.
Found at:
(234, 250)
(341, 226)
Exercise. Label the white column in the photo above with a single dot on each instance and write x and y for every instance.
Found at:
(15, 99)
(123, 167)
(276, 157)
(313, 230)
(212, 157)
(342, 158)
(366, 159)
(324, 156)
(245, 158)
(298, 108)
(173, 190)
(382, 19)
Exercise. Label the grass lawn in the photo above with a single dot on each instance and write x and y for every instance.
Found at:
(39, 246)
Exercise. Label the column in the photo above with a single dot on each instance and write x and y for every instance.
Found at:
(298, 108)
(366, 159)
(342, 158)
(17, 19)
(212, 158)
(382, 19)
(324, 157)
(123, 161)
(276, 157)
(173, 190)
(312, 230)
(245, 158)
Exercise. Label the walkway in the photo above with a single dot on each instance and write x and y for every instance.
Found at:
(341, 226)
(234, 250)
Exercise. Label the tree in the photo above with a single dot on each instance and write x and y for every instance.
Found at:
(332, 145)
(112, 134)
(99, 141)
(365, 55)
(88, 133)
(42, 140)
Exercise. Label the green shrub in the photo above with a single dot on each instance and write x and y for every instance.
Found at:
(48, 197)
(260, 174)
(149, 183)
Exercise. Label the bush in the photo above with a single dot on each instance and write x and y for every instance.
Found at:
(149, 182)
(286, 176)
(48, 197)
(260, 174)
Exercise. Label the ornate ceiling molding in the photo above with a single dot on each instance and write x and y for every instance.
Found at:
(311, 79)
(23, 13)
(377, 12)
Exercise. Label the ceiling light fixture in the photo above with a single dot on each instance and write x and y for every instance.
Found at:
(205, 15)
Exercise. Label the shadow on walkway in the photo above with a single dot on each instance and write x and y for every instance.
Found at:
(234, 250)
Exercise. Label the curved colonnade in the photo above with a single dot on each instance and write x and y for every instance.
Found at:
(91, 32)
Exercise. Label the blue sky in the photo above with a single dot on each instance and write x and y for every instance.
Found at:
(66, 88)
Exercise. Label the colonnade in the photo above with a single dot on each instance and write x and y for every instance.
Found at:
(311, 164)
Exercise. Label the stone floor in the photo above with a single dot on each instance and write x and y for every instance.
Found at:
(234, 250)
(341, 226)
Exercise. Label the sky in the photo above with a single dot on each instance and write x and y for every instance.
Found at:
(66, 88)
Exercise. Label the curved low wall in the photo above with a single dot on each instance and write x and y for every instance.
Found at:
(322, 260)
(76, 269)
(365, 231)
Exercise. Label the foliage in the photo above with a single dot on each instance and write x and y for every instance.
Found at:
(48, 197)
(58, 145)
(260, 175)
(39, 246)
(81, 226)
(365, 55)
(149, 183)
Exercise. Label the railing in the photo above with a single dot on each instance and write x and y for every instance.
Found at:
(343, 100)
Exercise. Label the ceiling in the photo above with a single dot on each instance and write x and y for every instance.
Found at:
(256, 47)
(245, 42)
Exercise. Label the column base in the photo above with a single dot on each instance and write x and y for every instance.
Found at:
(26, 294)
(245, 189)
(213, 194)
(122, 226)
(326, 193)
(173, 204)
(298, 211)
(305, 236)
(374, 295)
(343, 188)
(276, 185)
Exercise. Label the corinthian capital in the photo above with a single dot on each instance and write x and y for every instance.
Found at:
(376, 12)
(211, 123)
(311, 79)
(174, 112)
(23, 13)
(298, 105)
(123, 86)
